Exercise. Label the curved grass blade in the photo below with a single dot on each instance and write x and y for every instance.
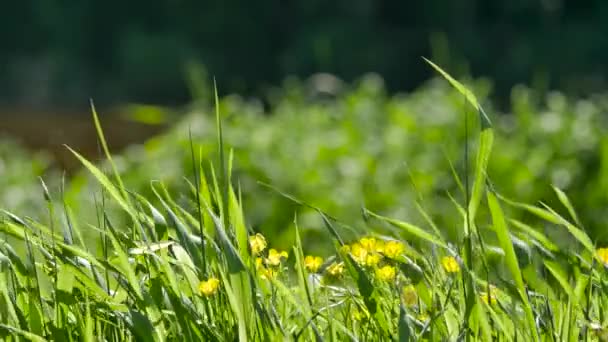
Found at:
(535, 234)
(486, 140)
(563, 198)
(409, 228)
(559, 275)
(550, 215)
(106, 150)
(105, 182)
(464, 91)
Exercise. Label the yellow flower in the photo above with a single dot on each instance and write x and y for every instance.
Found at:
(393, 248)
(369, 243)
(362, 255)
(450, 264)
(274, 257)
(410, 296)
(602, 254)
(489, 298)
(312, 263)
(386, 273)
(336, 269)
(265, 273)
(257, 243)
(379, 247)
(372, 259)
(358, 253)
(209, 287)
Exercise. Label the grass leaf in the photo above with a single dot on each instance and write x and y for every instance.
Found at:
(502, 232)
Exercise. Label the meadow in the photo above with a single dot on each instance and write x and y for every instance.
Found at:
(330, 212)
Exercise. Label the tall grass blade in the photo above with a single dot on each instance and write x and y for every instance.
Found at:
(502, 232)
(105, 182)
(404, 326)
(106, 151)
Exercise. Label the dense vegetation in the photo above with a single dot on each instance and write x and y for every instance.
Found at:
(391, 154)
(181, 241)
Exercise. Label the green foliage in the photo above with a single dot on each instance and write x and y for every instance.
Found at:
(393, 155)
(178, 259)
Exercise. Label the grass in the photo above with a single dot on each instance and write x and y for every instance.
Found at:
(189, 265)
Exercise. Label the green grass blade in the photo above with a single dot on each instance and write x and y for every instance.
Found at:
(410, 229)
(105, 182)
(562, 279)
(106, 150)
(550, 215)
(535, 234)
(237, 221)
(18, 332)
(88, 325)
(502, 232)
(404, 326)
(464, 91)
(563, 198)
(486, 140)
(236, 307)
(142, 328)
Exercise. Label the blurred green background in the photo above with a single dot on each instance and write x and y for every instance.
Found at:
(328, 101)
(360, 147)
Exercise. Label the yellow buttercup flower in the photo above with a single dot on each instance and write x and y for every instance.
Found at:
(358, 253)
(393, 248)
(372, 259)
(363, 255)
(450, 264)
(410, 296)
(257, 243)
(274, 257)
(386, 273)
(602, 254)
(312, 263)
(265, 273)
(369, 243)
(379, 247)
(335, 269)
(209, 287)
